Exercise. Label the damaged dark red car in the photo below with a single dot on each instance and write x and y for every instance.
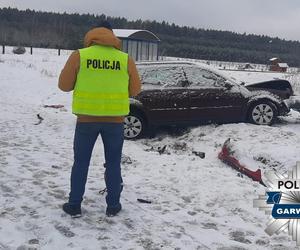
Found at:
(187, 93)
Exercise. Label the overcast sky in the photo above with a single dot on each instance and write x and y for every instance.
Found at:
(270, 17)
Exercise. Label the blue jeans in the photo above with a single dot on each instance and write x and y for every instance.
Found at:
(84, 140)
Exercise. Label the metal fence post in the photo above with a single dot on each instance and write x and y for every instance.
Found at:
(3, 49)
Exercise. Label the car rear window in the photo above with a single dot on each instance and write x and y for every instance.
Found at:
(156, 76)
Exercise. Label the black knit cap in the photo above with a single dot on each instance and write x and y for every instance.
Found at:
(105, 24)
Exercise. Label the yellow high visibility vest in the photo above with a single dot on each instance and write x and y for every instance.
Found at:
(101, 87)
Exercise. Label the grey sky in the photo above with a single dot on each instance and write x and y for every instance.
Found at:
(270, 17)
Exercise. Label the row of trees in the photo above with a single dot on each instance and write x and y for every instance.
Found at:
(53, 30)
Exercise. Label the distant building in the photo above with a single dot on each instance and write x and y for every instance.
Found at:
(274, 60)
(142, 45)
(276, 65)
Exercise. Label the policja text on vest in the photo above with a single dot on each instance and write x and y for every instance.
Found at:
(103, 64)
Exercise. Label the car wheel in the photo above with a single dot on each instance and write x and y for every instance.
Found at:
(262, 113)
(134, 126)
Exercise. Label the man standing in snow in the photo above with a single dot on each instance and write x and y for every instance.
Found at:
(102, 78)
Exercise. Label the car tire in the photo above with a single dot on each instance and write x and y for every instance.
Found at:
(134, 126)
(262, 113)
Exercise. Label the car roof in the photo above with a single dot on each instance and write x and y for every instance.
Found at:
(169, 62)
(183, 62)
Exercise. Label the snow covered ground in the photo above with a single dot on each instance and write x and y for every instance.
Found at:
(196, 203)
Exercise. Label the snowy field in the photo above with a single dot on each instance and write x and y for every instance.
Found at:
(196, 203)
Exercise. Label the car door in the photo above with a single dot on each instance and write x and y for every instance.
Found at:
(212, 97)
(164, 94)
